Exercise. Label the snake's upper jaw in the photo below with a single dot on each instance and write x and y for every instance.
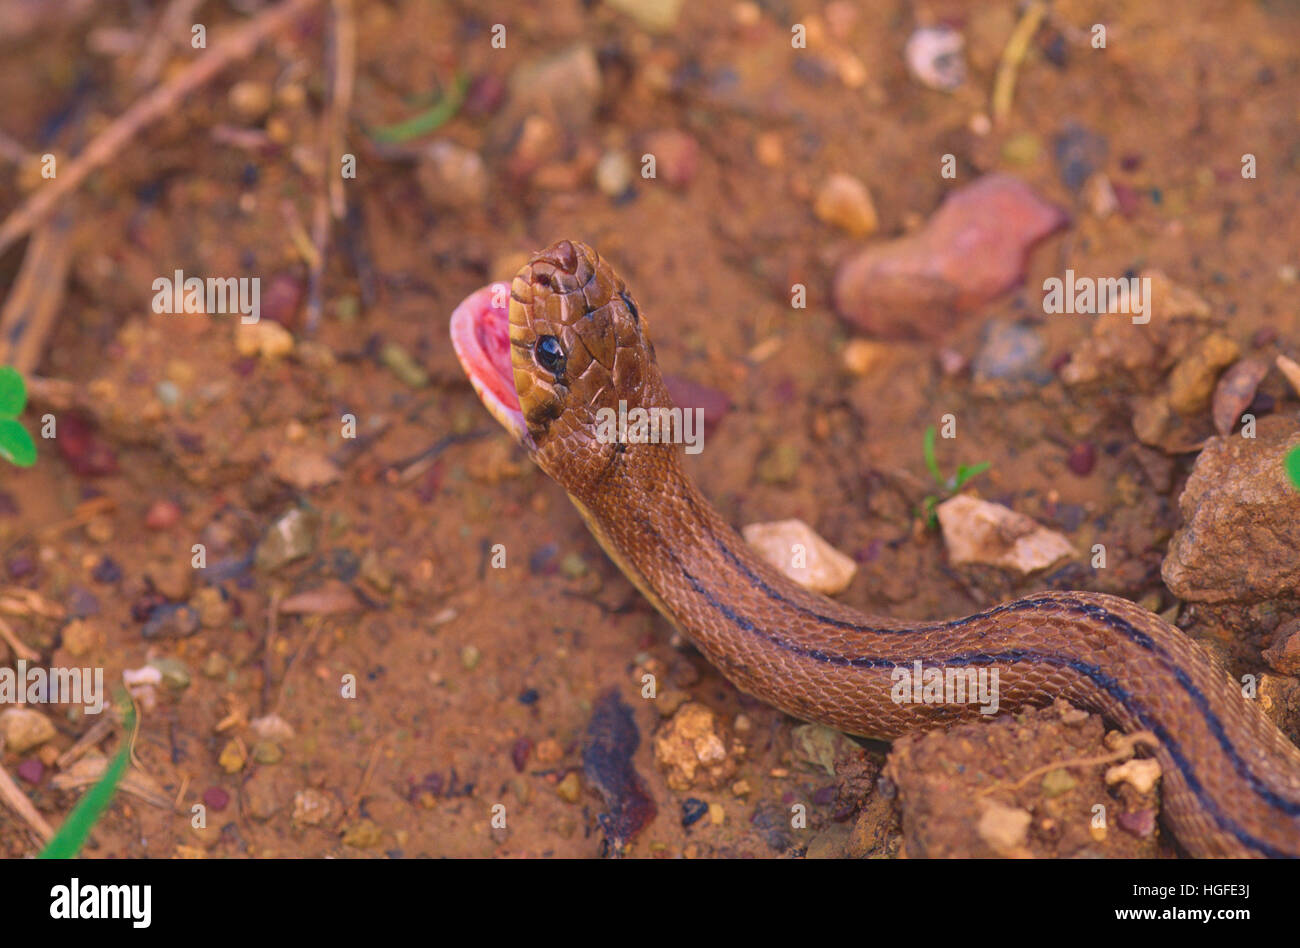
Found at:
(480, 334)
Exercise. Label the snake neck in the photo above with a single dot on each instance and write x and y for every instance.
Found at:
(1231, 778)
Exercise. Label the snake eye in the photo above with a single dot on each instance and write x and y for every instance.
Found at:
(550, 355)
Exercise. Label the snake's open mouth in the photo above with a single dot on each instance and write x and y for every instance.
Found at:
(480, 334)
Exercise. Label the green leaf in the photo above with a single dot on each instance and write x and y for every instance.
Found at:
(427, 121)
(13, 392)
(930, 461)
(965, 473)
(1292, 465)
(16, 444)
(67, 842)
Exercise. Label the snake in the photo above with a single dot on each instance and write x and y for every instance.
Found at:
(552, 352)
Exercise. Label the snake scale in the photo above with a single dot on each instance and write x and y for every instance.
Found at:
(566, 339)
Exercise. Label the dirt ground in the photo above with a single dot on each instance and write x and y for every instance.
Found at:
(474, 686)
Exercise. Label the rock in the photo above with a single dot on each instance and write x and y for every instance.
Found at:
(1079, 153)
(1082, 458)
(549, 751)
(779, 463)
(844, 202)
(267, 752)
(713, 403)
(1004, 828)
(271, 727)
(264, 794)
(264, 338)
(563, 86)
(696, 749)
(162, 515)
(216, 799)
(1235, 392)
(233, 757)
(173, 577)
(215, 666)
(801, 554)
(303, 468)
(173, 671)
(311, 807)
(330, 598)
(170, 621)
(1192, 381)
(677, 156)
(1100, 197)
(1139, 773)
(976, 531)
(290, 538)
(214, 609)
(934, 57)
(819, 746)
(862, 355)
(1284, 655)
(1241, 520)
(656, 16)
(363, 834)
(614, 173)
(250, 99)
(22, 729)
(1010, 351)
(1291, 369)
(1057, 782)
(972, 249)
(81, 637)
(570, 788)
(452, 176)
(470, 656)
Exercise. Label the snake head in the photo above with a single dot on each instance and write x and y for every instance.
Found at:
(564, 342)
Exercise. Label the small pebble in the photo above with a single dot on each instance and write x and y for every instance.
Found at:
(216, 799)
(693, 810)
(519, 752)
(570, 788)
(106, 571)
(934, 57)
(31, 770)
(470, 656)
(844, 202)
(528, 697)
(614, 173)
(20, 566)
(1083, 456)
(677, 156)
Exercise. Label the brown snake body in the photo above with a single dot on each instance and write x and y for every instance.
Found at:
(576, 342)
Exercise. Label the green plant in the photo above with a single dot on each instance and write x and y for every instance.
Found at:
(1292, 465)
(437, 115)
(16, 445)
(947, 485)
(67, 842)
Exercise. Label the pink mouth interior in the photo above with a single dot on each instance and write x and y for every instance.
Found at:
(480, 334)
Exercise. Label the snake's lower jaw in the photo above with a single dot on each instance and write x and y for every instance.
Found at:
(480, 336)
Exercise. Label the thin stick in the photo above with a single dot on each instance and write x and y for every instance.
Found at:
(98, 731)
(170, 25)
(365, 778)
(11, 794)
(1124, 751)
(158, 102)
(20, 650)
(36, 299)
(1004, 86)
